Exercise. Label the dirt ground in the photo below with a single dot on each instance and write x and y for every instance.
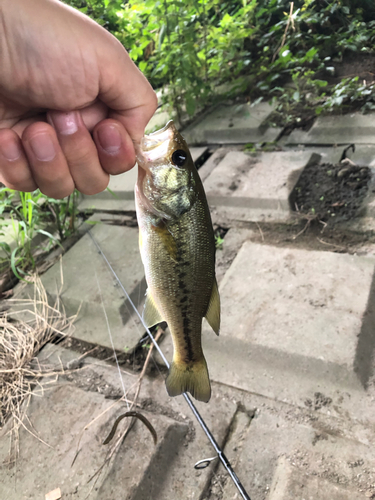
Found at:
(331, 193)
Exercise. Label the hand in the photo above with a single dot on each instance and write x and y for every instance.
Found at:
(63, 76)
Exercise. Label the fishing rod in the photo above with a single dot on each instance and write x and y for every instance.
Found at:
(220, 454)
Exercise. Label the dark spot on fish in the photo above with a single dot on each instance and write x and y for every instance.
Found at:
(184, 299)
(182, 275)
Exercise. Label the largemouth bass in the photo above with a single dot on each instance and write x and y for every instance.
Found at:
(177, 247)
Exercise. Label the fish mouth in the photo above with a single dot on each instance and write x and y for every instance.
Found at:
(155, 146)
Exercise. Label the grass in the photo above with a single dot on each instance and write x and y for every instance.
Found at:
(26, 216)
(31, 324)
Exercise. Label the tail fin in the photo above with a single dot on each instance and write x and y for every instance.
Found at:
(193, 378)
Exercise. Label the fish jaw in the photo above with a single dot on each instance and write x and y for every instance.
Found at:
(154, 147)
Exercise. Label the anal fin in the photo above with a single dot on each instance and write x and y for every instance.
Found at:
(213, 310)
(151, 315)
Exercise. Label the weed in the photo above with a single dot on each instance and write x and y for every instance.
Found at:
(23, 216)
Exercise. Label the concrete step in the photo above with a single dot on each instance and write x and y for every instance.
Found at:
(59, 419)
(283, 456)
(77, 279)
(139, 470)
(291, 322)
(337, 130)
(290, 483)
(233, 124)
(245, 187)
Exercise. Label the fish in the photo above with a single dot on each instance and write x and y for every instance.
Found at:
(177, 246)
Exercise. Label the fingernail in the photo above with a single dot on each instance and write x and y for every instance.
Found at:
(43, 147)
(65, 123)
(10, 150)
(109, 139)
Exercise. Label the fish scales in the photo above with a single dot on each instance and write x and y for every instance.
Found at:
(178, 252)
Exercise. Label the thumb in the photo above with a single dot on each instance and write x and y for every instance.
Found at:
(124, 89)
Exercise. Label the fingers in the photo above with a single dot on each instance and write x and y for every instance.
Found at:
(14, 169)
(46, 160)
(61, 155)
(115, 147)
(80, 152)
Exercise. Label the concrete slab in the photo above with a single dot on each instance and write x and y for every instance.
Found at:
(289, 484)
(255, 187)
(59, 419)
(120, 196)
(347, 129)
(171, 472)
(233, 124)
(82, 269)
(294, 322)
(216, 157)
(285, 457)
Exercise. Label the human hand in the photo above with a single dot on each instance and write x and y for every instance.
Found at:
(63, 76)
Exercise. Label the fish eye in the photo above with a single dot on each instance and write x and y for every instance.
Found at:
(179, 157)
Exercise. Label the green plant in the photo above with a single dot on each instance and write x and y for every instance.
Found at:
(25, 215)
(219, 242)
(189, 48)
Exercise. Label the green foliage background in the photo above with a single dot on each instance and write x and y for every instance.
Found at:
(192, 46)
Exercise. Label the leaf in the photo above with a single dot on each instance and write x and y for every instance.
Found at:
(142, 66)
(5, 247)
(13, 265)
(161, 36)
(49, 235)
(190, 105)
(296, 96)
(112, 193)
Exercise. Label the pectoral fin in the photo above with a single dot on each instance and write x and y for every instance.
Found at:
(167, 239)
(151, 316)
(213, 311)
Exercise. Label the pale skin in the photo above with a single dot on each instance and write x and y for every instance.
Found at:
(72, 103)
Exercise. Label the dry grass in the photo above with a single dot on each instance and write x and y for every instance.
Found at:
(32, 323)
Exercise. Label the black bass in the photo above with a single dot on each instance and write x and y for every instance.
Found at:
(177, 246)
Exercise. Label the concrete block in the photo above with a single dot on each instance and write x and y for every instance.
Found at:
(353, 128)
(170, 473)
(240, 123)
(216, 157)
(364, 154)
(82, 269)
(254, 188)
(292, 321)
(290, 483)
(59, 418)
(284, 454)
(121, 198)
